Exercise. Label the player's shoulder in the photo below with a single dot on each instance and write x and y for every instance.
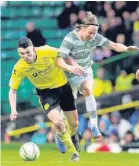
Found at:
(98, 37)
(71, 36)
(20, 64)
(45, 47)
(45, 50)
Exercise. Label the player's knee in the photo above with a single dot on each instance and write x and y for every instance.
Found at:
(74, 124)
(59, 124)
(86, 91)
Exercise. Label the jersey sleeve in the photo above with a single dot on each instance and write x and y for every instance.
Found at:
(66, 47)
(16, 78)
(103, 41)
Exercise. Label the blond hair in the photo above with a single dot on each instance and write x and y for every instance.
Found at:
(89, 19)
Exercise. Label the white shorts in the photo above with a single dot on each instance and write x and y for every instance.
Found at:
(76, 81)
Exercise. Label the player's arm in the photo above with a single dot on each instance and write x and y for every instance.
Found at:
(121, 47)
(118, 47)
(12, 101)
(64, 52)
(53, 52)
(14, 83)
(72, 62)
(65, 66)
(137, 75)
(69, 60)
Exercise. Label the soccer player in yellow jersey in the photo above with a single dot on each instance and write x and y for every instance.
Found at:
(38, 64)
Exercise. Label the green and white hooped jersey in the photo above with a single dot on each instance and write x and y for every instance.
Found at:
(80, 50)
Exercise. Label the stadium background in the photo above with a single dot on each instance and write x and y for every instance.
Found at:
(115, 85)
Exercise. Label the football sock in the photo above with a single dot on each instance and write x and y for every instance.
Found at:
(91, 109)
(66, 139)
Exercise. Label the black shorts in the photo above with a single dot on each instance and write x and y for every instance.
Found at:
(51, 98)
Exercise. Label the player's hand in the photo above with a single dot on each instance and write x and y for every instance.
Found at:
(132, 48)
(13, 115)
(77, 70)
(137, 74)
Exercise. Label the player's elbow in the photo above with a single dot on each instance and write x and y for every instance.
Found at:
(118, 47)
(12, 91)
(113, 46)
(59, 62)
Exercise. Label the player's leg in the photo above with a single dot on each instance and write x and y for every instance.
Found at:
(72, 129)
(68, 106)
(86, 88)
(59, 144)
(61, 131)
(49, 99)
(71, 121)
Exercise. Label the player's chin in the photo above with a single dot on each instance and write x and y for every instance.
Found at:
(28, 61)
(88, 38)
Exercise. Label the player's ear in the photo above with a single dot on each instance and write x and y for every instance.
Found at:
(33, 48)
(82, 29)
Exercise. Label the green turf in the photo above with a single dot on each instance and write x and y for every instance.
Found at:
(50, 156)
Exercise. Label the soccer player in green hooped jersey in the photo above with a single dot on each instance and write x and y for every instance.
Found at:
(76, 49)
(39, 65)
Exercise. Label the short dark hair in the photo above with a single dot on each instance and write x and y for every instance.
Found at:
(24, 42)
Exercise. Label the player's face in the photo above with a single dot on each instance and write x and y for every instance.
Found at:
(89, 32)
(28, 54)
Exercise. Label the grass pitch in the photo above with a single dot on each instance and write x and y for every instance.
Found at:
(50, 156)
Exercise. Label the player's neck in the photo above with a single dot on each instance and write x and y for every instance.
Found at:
(79, 35)
(35, 57)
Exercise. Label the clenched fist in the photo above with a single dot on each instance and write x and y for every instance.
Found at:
(132, 48)
(13, 115)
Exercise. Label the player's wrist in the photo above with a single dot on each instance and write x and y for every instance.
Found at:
(126, 49)
(69, 68)
(13, 111)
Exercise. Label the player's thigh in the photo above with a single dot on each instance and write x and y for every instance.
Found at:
(72, 117)
(48, 99)
(67, 102)
(54, 115)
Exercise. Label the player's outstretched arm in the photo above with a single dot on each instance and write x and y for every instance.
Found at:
(121, 47)
(65, 66)
(12, 101)
(137, 74)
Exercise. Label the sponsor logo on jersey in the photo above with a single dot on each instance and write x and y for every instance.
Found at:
(42, 72)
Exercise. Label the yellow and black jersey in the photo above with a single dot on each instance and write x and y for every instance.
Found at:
(43, 73)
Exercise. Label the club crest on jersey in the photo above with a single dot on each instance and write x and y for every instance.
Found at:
(46, 60)
(46, 106)
(88, 44)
